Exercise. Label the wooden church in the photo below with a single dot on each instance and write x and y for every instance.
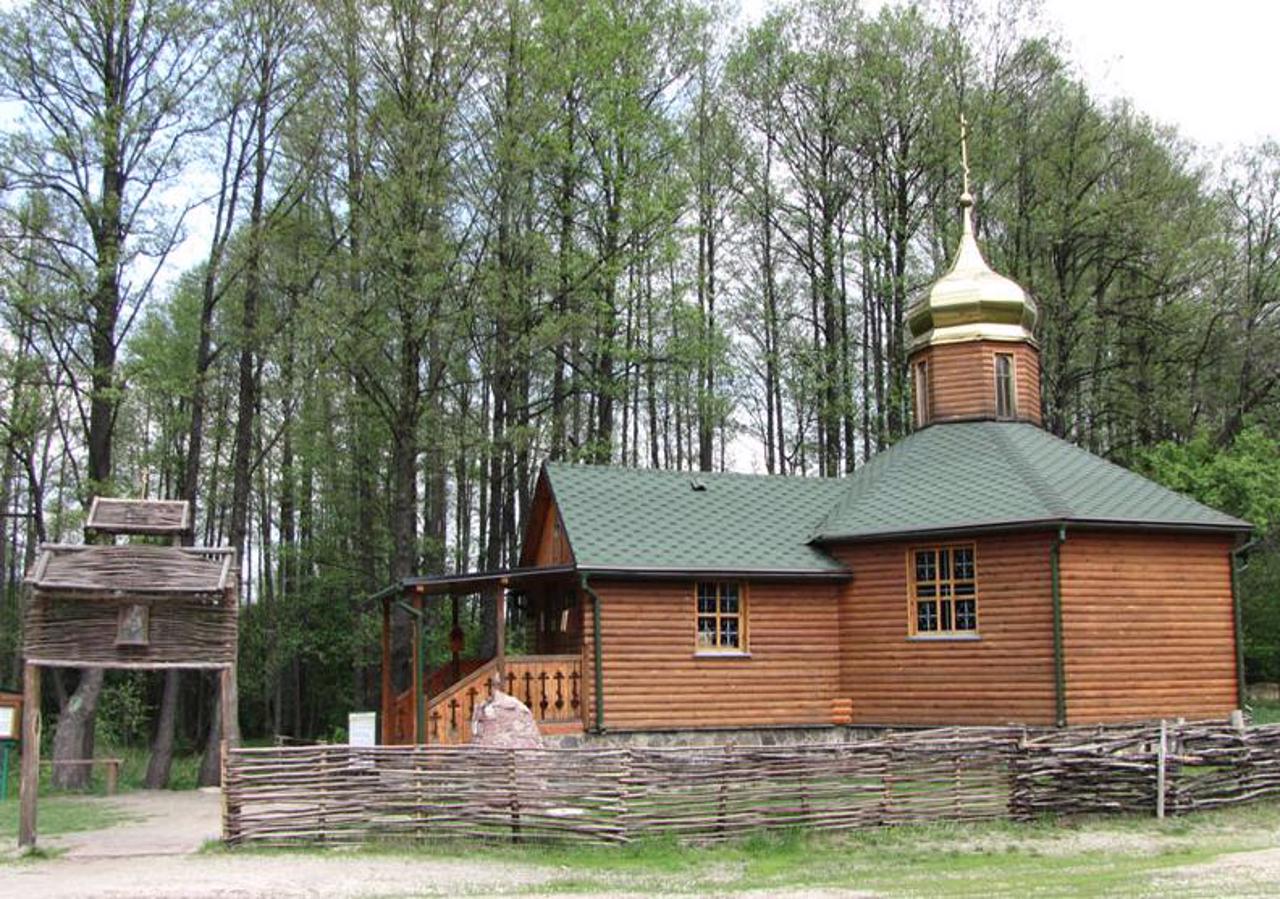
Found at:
(980, 571)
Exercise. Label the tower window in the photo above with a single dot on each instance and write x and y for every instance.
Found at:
(922, 393)
(1006, 407)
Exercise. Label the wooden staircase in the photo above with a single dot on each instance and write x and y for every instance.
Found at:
(550, 685)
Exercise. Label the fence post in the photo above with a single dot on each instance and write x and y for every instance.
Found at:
(515, 796)
(722, 804)
(230, 799)
(625, 795)
(1160, 768)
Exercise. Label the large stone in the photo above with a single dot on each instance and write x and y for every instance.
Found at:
(504, 722)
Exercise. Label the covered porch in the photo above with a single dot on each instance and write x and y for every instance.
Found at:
(537, 612)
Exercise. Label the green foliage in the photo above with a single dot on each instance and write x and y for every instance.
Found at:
(1242, 478)
(124, 714)
(318, 632)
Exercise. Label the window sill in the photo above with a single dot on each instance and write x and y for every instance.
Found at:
(721, 655)
(945, 638)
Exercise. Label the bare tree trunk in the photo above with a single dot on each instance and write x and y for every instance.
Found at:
(161, 761)
(74, 737)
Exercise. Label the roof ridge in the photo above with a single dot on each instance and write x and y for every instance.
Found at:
(692, 473)
(1054, 502)
(858, 480)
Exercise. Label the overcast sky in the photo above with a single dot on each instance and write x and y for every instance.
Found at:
(1209, 68)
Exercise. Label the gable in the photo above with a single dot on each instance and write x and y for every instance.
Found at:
(545, 541)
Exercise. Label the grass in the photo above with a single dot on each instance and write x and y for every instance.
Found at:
(1265, 712)
(133, 769)
(61, 814)
(1120, 855)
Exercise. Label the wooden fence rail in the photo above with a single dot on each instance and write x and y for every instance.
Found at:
(341, 794)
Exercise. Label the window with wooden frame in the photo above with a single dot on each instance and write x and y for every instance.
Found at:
(944, 590)
(722, 617)
(922, 393)
(1006, 400)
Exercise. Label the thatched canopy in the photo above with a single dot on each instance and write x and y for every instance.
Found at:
(125, 571)
(131, 607)
(158, 517)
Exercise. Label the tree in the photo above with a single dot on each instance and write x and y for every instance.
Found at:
(107, 90)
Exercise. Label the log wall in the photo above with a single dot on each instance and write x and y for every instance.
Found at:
(962, 380)
(1148, 626)
(654, 678)
(1004, 675)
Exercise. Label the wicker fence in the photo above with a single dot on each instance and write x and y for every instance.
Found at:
(340, 794)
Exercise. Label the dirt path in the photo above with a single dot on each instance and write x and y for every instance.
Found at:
(197, 877)
(155, 855)
(157, 822)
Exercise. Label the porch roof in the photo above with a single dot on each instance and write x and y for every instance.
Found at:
(467, 582)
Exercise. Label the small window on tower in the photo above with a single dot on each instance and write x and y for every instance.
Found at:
(922, 393)
(1005, 406)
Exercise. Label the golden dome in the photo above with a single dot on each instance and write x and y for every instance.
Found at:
(971, 302)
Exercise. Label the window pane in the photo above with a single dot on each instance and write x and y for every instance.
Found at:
(945, 624)
(927, 591)
(927, 616)
(964, 588)
(964, 563)
(729, 632)
(925, 565)
(944, 589)
(944, 563)
(966, 615)
(1004, 385)
(706, 632)
(729, 603)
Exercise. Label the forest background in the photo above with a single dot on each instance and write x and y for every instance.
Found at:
(448, 239)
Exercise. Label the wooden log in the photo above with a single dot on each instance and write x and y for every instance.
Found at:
(29, 784)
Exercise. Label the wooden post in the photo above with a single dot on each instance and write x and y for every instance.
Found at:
(387, 699)
(455, 631)
(227, 710)
(1160, 768)
(419, 685)
(30, 783)
(500, 597)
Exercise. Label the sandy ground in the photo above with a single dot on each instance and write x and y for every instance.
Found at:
(155, 855)
(1254, 873)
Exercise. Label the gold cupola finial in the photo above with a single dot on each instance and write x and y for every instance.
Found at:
(970, 302)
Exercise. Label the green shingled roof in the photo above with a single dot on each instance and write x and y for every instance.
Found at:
(989, 474)
(947, 477)
(630, 518)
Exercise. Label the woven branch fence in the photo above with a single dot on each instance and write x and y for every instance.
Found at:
(345, 795)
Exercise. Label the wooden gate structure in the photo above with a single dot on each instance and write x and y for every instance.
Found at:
(136, 606)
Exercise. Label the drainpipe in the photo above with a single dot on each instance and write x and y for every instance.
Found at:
(599, 659)
(1059, 662)
(1238, 564)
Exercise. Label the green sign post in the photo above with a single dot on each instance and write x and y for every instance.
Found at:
(5, 747)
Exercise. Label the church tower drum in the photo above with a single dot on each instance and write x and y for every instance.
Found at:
(973, 352)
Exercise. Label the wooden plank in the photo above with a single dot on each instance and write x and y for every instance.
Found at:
(134, 516)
